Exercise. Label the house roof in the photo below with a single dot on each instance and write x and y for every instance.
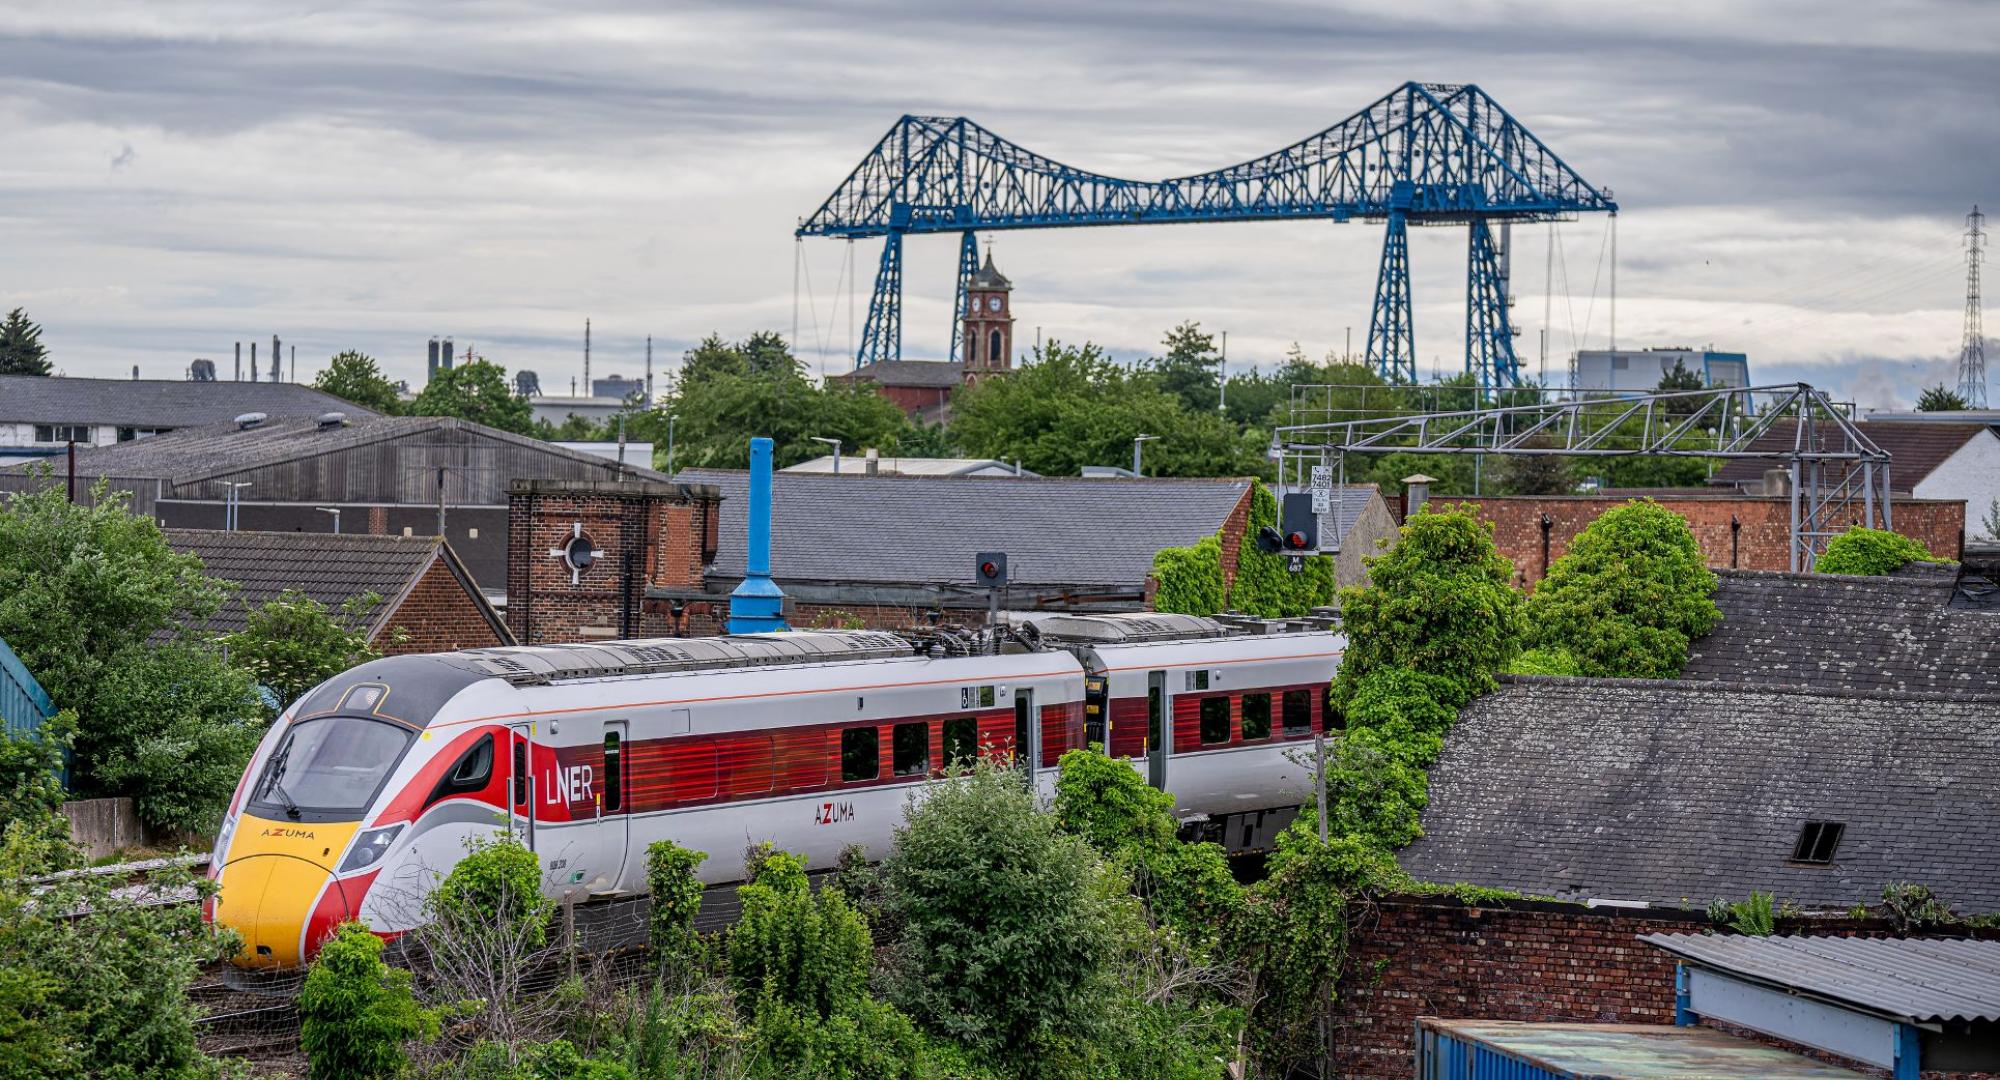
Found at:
(1915, 449)
(989, 278)
(1685, 792)
(919, 374)
(926, 529)
(1910, 981)
(1836, 632)
(175, 403)
(857, 465)
(331, 568)
(192, 454)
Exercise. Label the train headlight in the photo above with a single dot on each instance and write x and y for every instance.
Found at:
(369, 848)
(222, 838)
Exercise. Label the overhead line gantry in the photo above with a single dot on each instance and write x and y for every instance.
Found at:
(1423, 154)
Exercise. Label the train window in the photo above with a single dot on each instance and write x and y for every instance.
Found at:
(1298, 712)
(614, 773)
(911, 746)
(750, 770)
(961, 742)
(1330, 717)
(1256, 716)
(1214, 719)
(520, 770)
(469, 773)
(1154, 707)
(860, 755)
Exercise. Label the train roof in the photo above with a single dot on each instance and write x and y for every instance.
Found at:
(534, 665)
(1126, 629)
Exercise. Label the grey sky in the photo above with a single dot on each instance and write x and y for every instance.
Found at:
(179, 177)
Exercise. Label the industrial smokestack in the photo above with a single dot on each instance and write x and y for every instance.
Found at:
(135, 373)
(277, 361)
(239, 361)
(431, 367)
(444, 355)
(588, 389)
(253, 361)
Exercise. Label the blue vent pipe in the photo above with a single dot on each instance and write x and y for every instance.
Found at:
(758, 605)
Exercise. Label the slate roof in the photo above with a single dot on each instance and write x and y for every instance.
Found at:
(988, 277)
(922, 374)
(1835, 632)
(330, 568)
(29, 399)
(1914, 449)
(198, 453)
(1683, 792)
(926, 529)
(1910, 981)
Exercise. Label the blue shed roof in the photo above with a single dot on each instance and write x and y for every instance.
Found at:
(23, 702)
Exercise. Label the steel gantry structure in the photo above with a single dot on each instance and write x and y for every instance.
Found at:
(1835, 474)
(1423, 154)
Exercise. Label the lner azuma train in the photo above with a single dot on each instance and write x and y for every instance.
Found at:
(373, 784)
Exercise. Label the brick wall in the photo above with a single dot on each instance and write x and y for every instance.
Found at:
(1743, 532)
(1531, 961)
(645, 533)
(439, 615)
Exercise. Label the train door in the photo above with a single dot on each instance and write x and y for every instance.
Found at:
(521, 785)
(614, 818)
(1159, 733)
(1027, 733)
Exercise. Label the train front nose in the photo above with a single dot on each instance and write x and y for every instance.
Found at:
(277, 883)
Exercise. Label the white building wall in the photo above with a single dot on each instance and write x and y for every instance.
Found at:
(14, 434)
(1972, 474)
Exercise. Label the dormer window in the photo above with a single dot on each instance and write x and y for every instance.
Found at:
(1817, 843)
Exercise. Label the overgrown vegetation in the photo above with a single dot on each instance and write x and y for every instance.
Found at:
(1871, 552)
(1193, 582)
(1626, 600)
(294, 643)
(356, 1012)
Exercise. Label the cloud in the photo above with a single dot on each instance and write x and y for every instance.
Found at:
(369, 174)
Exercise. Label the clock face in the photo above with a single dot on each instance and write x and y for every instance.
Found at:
(993, 303)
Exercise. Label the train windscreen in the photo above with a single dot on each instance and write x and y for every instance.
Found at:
(328, 769)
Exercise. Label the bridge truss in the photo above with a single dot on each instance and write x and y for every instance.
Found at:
(1835, 475)
(1423, 154)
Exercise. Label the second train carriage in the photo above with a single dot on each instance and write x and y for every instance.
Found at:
(372, 785)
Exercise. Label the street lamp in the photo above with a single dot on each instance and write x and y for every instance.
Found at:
(229, 507)
(335, 511)
(835, 443)
(1138, 447)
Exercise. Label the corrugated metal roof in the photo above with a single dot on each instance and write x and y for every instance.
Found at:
(1632, 1051)
(1914, 981)
(23, 702)
(34, 399)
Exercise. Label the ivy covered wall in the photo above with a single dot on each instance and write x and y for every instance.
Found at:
(1192, 580)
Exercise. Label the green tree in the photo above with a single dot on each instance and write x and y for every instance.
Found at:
(1678, 380)
(353, 376)
(1629, 596)
(1536, 474)
(1009, 924)
(97, 605)
(791, 945)
(1439, 602)
(1872, 552)
(21, 348)
(475, 392)
(1938, 399)
(576, 428)
(294, 643)
(728, 393)
(356, 1012)
(1191, 368)
(1071, 406)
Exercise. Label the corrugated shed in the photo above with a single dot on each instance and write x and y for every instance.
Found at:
(23, 702)
(174, 403)
(1514, 1050)
(1913, 981)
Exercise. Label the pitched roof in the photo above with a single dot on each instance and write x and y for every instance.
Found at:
(331, 568)
(29, 399)
(989, 278)
(921, 374)
(925, 529)
(199, 453)
(857, 465)
(1915, 449)
(1835, 632)
(1910, 981)
(1673, 792)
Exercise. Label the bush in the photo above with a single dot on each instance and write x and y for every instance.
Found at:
(30, 770)
(1190, 578)
(1009, 924)
(175, 727)
(356, 1012)
(1628, 597)
(792, 946)
(1545, 662)
(487, 941)
(676, 893)
(1871, 552)
(1438, 602)
(862, 1039)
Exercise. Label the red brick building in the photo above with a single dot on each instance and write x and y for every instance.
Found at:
(922, 388)
(591, 560)
(1744, 532)
(429, 601)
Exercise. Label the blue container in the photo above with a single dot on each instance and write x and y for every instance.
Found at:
(1510, 1050)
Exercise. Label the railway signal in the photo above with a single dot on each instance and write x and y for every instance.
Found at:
(1298, 529)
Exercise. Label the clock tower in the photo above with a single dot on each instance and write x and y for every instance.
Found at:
(989, 324)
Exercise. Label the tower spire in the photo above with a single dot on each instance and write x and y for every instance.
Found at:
(1972, 351)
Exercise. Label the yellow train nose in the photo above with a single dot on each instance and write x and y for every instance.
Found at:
(274, 886)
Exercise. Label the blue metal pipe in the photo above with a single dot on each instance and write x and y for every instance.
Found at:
(758, 605)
